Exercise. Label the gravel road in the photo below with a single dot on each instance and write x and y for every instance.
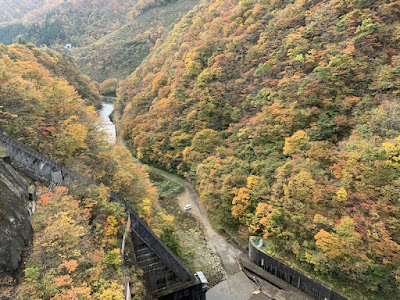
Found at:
(227, 253)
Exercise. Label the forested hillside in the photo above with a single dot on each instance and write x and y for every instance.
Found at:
(286, 116)
(17, 9)
(118, 54)
(48, 105)
(109, 38)
(76, 249)
(45, 112)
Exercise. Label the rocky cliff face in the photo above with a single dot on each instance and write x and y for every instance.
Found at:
(15, 229)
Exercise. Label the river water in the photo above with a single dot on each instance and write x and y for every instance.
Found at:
(106, 125)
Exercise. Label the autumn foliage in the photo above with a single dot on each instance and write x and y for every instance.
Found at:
(47, 113)
(42, 108)
(76, 252)
(300, 97)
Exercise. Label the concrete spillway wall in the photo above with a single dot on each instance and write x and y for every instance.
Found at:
(290, 275)
(163, 272)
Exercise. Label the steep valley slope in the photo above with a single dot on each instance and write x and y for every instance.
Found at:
(48, 105)
(18, 9)
(285, 114)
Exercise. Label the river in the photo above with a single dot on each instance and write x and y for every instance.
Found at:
(106, 124)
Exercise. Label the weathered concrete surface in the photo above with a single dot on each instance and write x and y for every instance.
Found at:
(236, 287)
(34, 164)
(15, 229)
(269, 284)
(241, 287)
(251, 267)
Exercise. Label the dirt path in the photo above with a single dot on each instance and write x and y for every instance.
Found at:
(227, 253)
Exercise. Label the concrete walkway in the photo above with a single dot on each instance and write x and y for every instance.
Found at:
(241, 287)
(236, 287)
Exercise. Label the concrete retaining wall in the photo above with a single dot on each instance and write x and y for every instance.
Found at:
(35, 164)
(290, 275)
(195, 292)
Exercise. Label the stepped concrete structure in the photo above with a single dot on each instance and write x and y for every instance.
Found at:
(165, 276)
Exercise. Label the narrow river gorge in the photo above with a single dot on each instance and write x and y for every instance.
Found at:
(231, 282)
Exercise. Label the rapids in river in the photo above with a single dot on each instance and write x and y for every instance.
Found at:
(106, 124)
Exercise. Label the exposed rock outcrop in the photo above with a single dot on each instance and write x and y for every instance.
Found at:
(15, 228)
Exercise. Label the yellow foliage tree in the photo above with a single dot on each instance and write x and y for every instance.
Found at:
(240, 203)
(392, 150)
(296, 144)
(341, 195)
(341, 245)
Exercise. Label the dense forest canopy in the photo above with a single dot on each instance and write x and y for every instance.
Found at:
(286, 116)
(49, 105)
(119, 53)
(76, 249)
(77, 22)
